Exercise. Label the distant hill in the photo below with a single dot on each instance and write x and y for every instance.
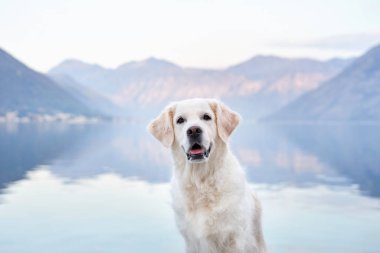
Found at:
(255, 88)
(26, 92)
(271, 68)
(353, 95)
(283, 80)
(89, 75)
(88, 96)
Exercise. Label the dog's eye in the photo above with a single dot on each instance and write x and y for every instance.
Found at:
(206, 117)
(180, 120)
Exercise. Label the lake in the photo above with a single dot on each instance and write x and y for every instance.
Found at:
(105, 187)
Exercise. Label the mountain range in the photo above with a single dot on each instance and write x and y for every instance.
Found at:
(353, 95)
(269, 87)
(29, 95)
(255, 87)
(26, 92)
(88, 96)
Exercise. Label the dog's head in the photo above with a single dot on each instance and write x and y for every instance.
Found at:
(194, 126)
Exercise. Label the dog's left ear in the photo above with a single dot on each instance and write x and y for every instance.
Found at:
(226, 119)
(162, 127)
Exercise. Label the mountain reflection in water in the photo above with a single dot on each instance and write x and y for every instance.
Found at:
(104, 187)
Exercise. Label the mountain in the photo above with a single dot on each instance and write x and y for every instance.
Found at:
(88, 96)
(255, 87)
(353, 95)
(271, 68)
(26, 92)
(88, 75)
(283, 80)
(152, 82)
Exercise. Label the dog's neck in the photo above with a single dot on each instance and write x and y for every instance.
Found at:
(202, 184)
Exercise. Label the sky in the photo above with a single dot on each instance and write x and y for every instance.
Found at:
(191, 33)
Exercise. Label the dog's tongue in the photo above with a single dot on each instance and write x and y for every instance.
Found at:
(196, 151)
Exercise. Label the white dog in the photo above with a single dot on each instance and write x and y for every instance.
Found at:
(216, 212)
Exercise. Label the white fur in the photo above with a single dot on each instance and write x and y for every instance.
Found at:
(216, 212)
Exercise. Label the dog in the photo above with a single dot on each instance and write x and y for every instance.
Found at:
(215, 210)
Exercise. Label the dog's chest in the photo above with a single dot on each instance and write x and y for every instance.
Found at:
(201, 197)
(200, 208)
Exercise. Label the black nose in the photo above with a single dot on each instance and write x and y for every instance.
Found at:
(194, 131)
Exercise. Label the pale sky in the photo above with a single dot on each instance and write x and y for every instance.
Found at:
(191, 33)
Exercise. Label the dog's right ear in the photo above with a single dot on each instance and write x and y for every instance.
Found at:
(162, 126)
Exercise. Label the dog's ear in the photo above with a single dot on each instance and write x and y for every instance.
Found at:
(226, 119)
(162, 126)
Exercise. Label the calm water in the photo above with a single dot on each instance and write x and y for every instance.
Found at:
(104, 188)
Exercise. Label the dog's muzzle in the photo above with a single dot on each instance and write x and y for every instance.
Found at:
(198, 153)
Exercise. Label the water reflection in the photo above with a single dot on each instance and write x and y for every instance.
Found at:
(353, 151)
(270, 157)
(294, 155)
(25, 146)
(123, 149)
(104, 187)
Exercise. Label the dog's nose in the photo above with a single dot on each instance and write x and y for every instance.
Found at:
(194, 131)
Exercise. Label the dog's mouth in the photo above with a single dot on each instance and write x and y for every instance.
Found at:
(198, 152)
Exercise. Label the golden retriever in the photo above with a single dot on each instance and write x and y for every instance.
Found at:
(216, 211)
